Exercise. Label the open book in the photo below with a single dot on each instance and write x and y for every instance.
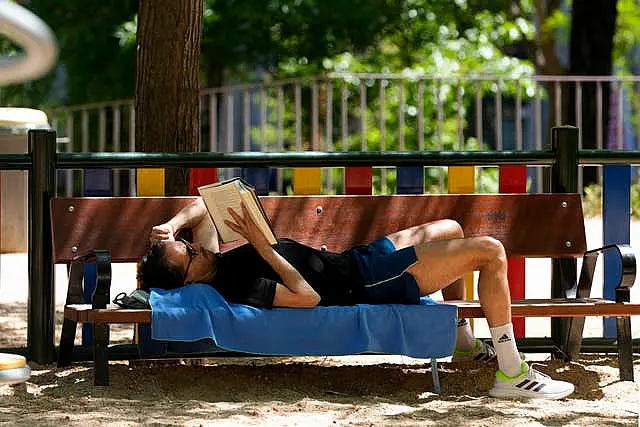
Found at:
(228, 194)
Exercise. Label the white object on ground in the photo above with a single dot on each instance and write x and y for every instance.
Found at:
(13, 369)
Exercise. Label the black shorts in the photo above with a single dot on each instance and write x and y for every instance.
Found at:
(384, 269)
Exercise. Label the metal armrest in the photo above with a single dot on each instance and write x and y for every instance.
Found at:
(627, 278)
(100, 297)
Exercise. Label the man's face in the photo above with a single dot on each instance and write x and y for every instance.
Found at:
(197, 262)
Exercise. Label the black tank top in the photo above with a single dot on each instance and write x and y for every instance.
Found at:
(242, 276)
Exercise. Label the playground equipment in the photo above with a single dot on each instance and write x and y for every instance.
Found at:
(35, 38)
(40, 54)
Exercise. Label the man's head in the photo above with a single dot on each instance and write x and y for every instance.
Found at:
(171, 264)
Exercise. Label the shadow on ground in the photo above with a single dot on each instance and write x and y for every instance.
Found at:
(168, 392)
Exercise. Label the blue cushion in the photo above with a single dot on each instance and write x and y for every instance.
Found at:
(198, 314)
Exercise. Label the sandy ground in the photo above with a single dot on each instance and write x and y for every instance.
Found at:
(355, 390)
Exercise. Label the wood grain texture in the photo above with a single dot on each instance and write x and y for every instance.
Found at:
(119, 224)
(556, 307)
(529, 225)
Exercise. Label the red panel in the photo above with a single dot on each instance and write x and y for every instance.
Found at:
(516, 277)
(513, 179)
(358, 180)
(201, 176)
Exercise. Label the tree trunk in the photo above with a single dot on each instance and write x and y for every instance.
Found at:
(593, 26)
(167, 82)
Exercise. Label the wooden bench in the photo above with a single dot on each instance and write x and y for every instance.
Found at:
(529, 225)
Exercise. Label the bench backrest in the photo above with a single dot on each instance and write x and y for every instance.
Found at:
(529, 225)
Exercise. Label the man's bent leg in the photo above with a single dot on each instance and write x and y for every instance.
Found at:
(445, 229)
(440, 263)
(466, 344)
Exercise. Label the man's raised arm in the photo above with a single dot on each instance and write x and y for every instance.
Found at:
(194, 216)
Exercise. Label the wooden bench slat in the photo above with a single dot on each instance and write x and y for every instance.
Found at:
(534, 225)
(83, 313)
(559, 307)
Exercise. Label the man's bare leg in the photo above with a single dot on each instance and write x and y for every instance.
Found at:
(435, 231)
(441, 263)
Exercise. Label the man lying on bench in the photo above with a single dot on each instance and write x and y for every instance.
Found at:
(396, 269)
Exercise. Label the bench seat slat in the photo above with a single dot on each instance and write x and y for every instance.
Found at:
(557, 307)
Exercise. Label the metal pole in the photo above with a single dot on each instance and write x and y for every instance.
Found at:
(42, 146)
(564, 179)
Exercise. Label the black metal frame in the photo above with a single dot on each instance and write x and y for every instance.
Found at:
(42, 162)
(99, 299)
(582, 289)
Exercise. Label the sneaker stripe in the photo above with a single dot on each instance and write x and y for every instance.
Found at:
(540, 387)
(532, 385)
(482, 356)
(523, 383)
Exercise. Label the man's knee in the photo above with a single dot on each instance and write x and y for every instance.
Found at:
(445, 229)
(492, 249)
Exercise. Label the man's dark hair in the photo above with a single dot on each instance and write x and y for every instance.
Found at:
(155, 270)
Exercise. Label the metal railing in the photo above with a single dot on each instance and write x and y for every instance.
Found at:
(375, 113)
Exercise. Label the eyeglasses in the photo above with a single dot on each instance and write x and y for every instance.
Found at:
(192, 252)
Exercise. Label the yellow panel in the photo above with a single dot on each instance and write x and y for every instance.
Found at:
(461, 181)
(307, 181)
(150, 182)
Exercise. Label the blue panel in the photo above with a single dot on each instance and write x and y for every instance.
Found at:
(410, 180)
(89, 285)
(97, 183)
(616, 217)
(259, 178)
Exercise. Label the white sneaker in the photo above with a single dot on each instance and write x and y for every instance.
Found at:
(531, 384)
(483, 352)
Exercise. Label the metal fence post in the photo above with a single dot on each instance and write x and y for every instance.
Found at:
(40, 331)
(564, 179)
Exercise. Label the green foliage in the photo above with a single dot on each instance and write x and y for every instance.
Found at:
(241, 37)
(249, 40)
(635, 200)
(627, 37)
(592, 200)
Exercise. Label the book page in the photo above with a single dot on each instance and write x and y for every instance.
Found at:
(218, 199)
(221, 196)
(251, 201)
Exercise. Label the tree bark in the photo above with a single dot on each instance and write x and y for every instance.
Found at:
(593, 27)
(167, 82)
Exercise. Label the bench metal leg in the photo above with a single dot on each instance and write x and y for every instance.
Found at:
(434, 375)
(100, 356)
(574, 337)
(625, 350)
(74, 296)
(67, 338)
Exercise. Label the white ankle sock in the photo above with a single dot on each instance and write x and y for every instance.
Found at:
(504, 342)
(465, 341)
